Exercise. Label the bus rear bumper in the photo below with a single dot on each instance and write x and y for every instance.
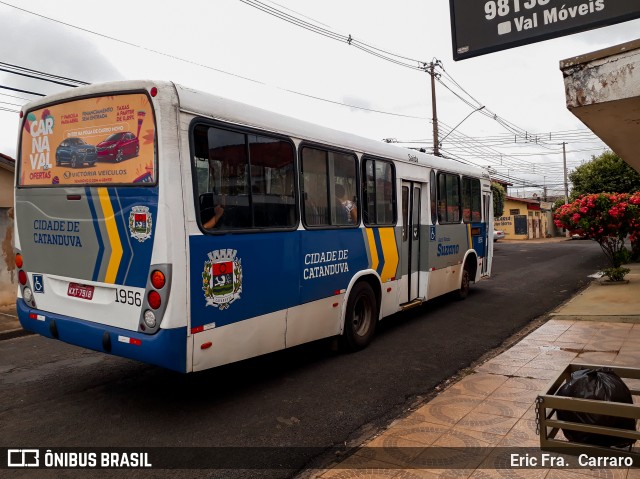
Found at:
(166, 348)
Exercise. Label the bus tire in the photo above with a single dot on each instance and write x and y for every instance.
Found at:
(465, 282)
(360, 318)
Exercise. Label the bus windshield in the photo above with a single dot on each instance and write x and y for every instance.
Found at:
(77, 143)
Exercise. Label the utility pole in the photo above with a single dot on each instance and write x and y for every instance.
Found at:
(564, 162)
(566, 184)
(431, 71)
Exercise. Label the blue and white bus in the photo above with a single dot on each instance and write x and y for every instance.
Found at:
(185, 230)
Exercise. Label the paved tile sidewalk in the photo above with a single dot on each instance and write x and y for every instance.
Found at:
(493, 407)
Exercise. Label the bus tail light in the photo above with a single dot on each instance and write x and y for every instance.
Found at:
(149, 319)
(157, 279)
(156, 298)
(27, 294)
(23, 279)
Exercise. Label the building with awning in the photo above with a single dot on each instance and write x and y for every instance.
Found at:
(603, 91)
(524, 219)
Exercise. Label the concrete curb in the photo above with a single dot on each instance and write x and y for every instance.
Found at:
(603, 319)
(14, 333)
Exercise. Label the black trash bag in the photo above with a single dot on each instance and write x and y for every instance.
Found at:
(600, 384)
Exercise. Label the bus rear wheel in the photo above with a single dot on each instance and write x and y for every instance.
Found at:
(360, 318)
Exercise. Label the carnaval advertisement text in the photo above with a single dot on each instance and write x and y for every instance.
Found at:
(102, 140)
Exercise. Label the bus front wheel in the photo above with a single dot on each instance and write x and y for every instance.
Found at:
(360, 318)
(465, 282)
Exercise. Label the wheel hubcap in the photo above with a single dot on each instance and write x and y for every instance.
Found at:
(361, 317)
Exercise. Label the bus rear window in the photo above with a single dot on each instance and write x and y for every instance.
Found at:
(92, 141)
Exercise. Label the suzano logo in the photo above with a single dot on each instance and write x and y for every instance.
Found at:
(23, 458)
(448, 249)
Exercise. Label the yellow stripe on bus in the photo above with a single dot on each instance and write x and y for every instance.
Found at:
(372, 248)
(390, 250)
(114, 237)
(469, 236)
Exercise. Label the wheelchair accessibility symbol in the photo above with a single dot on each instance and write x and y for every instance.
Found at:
(432, 233)
(38, 283)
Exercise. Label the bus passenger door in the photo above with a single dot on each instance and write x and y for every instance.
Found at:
(487, 207)
(410, 242)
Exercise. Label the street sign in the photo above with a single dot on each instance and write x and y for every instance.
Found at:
(485, 26)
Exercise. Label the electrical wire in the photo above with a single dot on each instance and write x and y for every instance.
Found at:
(474, 149)
(386, 55)
(42, 74)
(509, 126)
(21, 91)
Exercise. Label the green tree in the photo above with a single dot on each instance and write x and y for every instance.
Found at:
(499, 196)
(557, 204)
(605, 173)
(608, 218)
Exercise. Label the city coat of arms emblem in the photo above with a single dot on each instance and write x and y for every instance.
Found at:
(140, 223)
(222, 278)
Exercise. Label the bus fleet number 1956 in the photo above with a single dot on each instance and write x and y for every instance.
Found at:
(124, 296)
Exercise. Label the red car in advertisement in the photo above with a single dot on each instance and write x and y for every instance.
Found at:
(118, 147)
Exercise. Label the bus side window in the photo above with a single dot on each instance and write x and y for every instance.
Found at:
(378, 192)
(434, 196)
(246, 179)
(315, 186)
(272, 173)
(449, 204)
(329, 183)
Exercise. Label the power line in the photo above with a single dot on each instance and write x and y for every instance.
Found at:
(37, 77)
(174, 57)
(41, 74)
(511, 164)
(15, 96)
(398, 59)
(7, 103)
(381, 53)
(21, 91)
(475, 149)
(385, 55)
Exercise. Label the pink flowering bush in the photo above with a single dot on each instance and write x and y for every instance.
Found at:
(608, 218)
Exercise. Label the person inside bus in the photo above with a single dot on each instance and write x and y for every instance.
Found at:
(211, 223)
(350, 210)
(218, 210)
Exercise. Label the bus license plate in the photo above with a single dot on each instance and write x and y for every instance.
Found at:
(82, 291)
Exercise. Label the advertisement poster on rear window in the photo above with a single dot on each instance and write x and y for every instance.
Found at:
(94, 141)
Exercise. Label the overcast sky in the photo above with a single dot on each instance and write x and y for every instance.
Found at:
(233, 49)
